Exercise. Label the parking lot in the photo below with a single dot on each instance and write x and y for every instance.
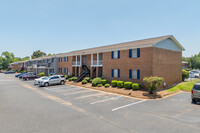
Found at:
(66, 108)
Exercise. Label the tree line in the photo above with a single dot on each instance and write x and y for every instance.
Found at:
(8, 57)
(193, 61)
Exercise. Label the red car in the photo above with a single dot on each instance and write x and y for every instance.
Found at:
(29, 77)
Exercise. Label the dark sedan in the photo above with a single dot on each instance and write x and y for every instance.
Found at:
(10, 72)
(19, 74)
(25, 75)
(30, 77)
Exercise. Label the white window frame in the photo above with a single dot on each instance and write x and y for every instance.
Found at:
(134, 53)
(115, 73)
(115, 54)
(134, 74)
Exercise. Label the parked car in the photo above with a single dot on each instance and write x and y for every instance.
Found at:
(17, 75)
(30, 76)
(38, 79)
(56, 79)
(10, 72)
(194, 74)
(25, 75)
(195, 94)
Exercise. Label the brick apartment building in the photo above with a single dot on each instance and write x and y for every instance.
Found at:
(129, 61)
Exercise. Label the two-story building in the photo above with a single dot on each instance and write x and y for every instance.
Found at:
(129, 61)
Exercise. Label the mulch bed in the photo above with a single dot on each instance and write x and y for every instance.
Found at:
(142, 93)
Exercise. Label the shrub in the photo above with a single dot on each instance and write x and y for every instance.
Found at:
(72, 78)
(84, 82)
(49, 75)
(66, 76)
(100, 85)
(135, 86)
(128, 85)
(96, 81)
(104, 81)
(87, 79)
(120, 84)
(90, 81)
(153, 83)
(114, 83)
(41, 74)
(185, 75)
(107, 85)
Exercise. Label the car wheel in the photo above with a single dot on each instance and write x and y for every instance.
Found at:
(194, 101)
(62, 82)
(46, 84)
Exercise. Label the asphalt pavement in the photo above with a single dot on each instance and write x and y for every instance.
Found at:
(25, 108)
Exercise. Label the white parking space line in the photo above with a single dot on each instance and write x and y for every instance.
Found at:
(77, 92)
(66, 90)
(49, 88)
(99, 94)
(6, 80)
(128, 105)
(105, 100)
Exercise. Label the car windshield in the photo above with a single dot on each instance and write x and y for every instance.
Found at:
(46, 78)
(196, 87)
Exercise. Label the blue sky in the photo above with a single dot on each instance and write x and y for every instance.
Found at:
(58, 26)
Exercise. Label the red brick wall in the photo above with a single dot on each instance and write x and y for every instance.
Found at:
(144, 63)
(167, 64)
(64, 64)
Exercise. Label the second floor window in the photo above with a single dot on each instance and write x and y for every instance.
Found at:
(60, 59)
(66, 59)
(134, 53)
(115, 54)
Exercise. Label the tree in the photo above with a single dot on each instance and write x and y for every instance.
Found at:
(37, 54)
(5, 59)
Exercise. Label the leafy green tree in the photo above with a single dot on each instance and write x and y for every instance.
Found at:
(37, 54)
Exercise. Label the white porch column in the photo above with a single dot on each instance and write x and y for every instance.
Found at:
(76, 60)
(91, 59)
(97, 59)
(80, 60)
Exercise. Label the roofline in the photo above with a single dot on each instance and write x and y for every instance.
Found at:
(176, 42)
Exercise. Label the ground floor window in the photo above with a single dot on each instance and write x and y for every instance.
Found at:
(66, 70)
(60, 70)
(134, 74)
(116, 73)
(51, 70)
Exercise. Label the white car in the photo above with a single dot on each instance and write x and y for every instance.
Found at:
(38, 79)
(194, 74)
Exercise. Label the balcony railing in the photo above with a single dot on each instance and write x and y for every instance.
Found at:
(95, 63)
(74, 63)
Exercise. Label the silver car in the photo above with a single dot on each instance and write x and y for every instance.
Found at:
(38, 79)
(196, 93)
(52, 80)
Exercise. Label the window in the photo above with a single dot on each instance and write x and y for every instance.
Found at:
(134, 74)
(60, 70)
(115, 54)
(56, 77)
(134, 53)
(60, 59)
(65, 70)
(116, 73)
(66, 59)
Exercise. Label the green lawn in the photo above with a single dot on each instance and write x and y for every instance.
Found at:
(186, 86)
